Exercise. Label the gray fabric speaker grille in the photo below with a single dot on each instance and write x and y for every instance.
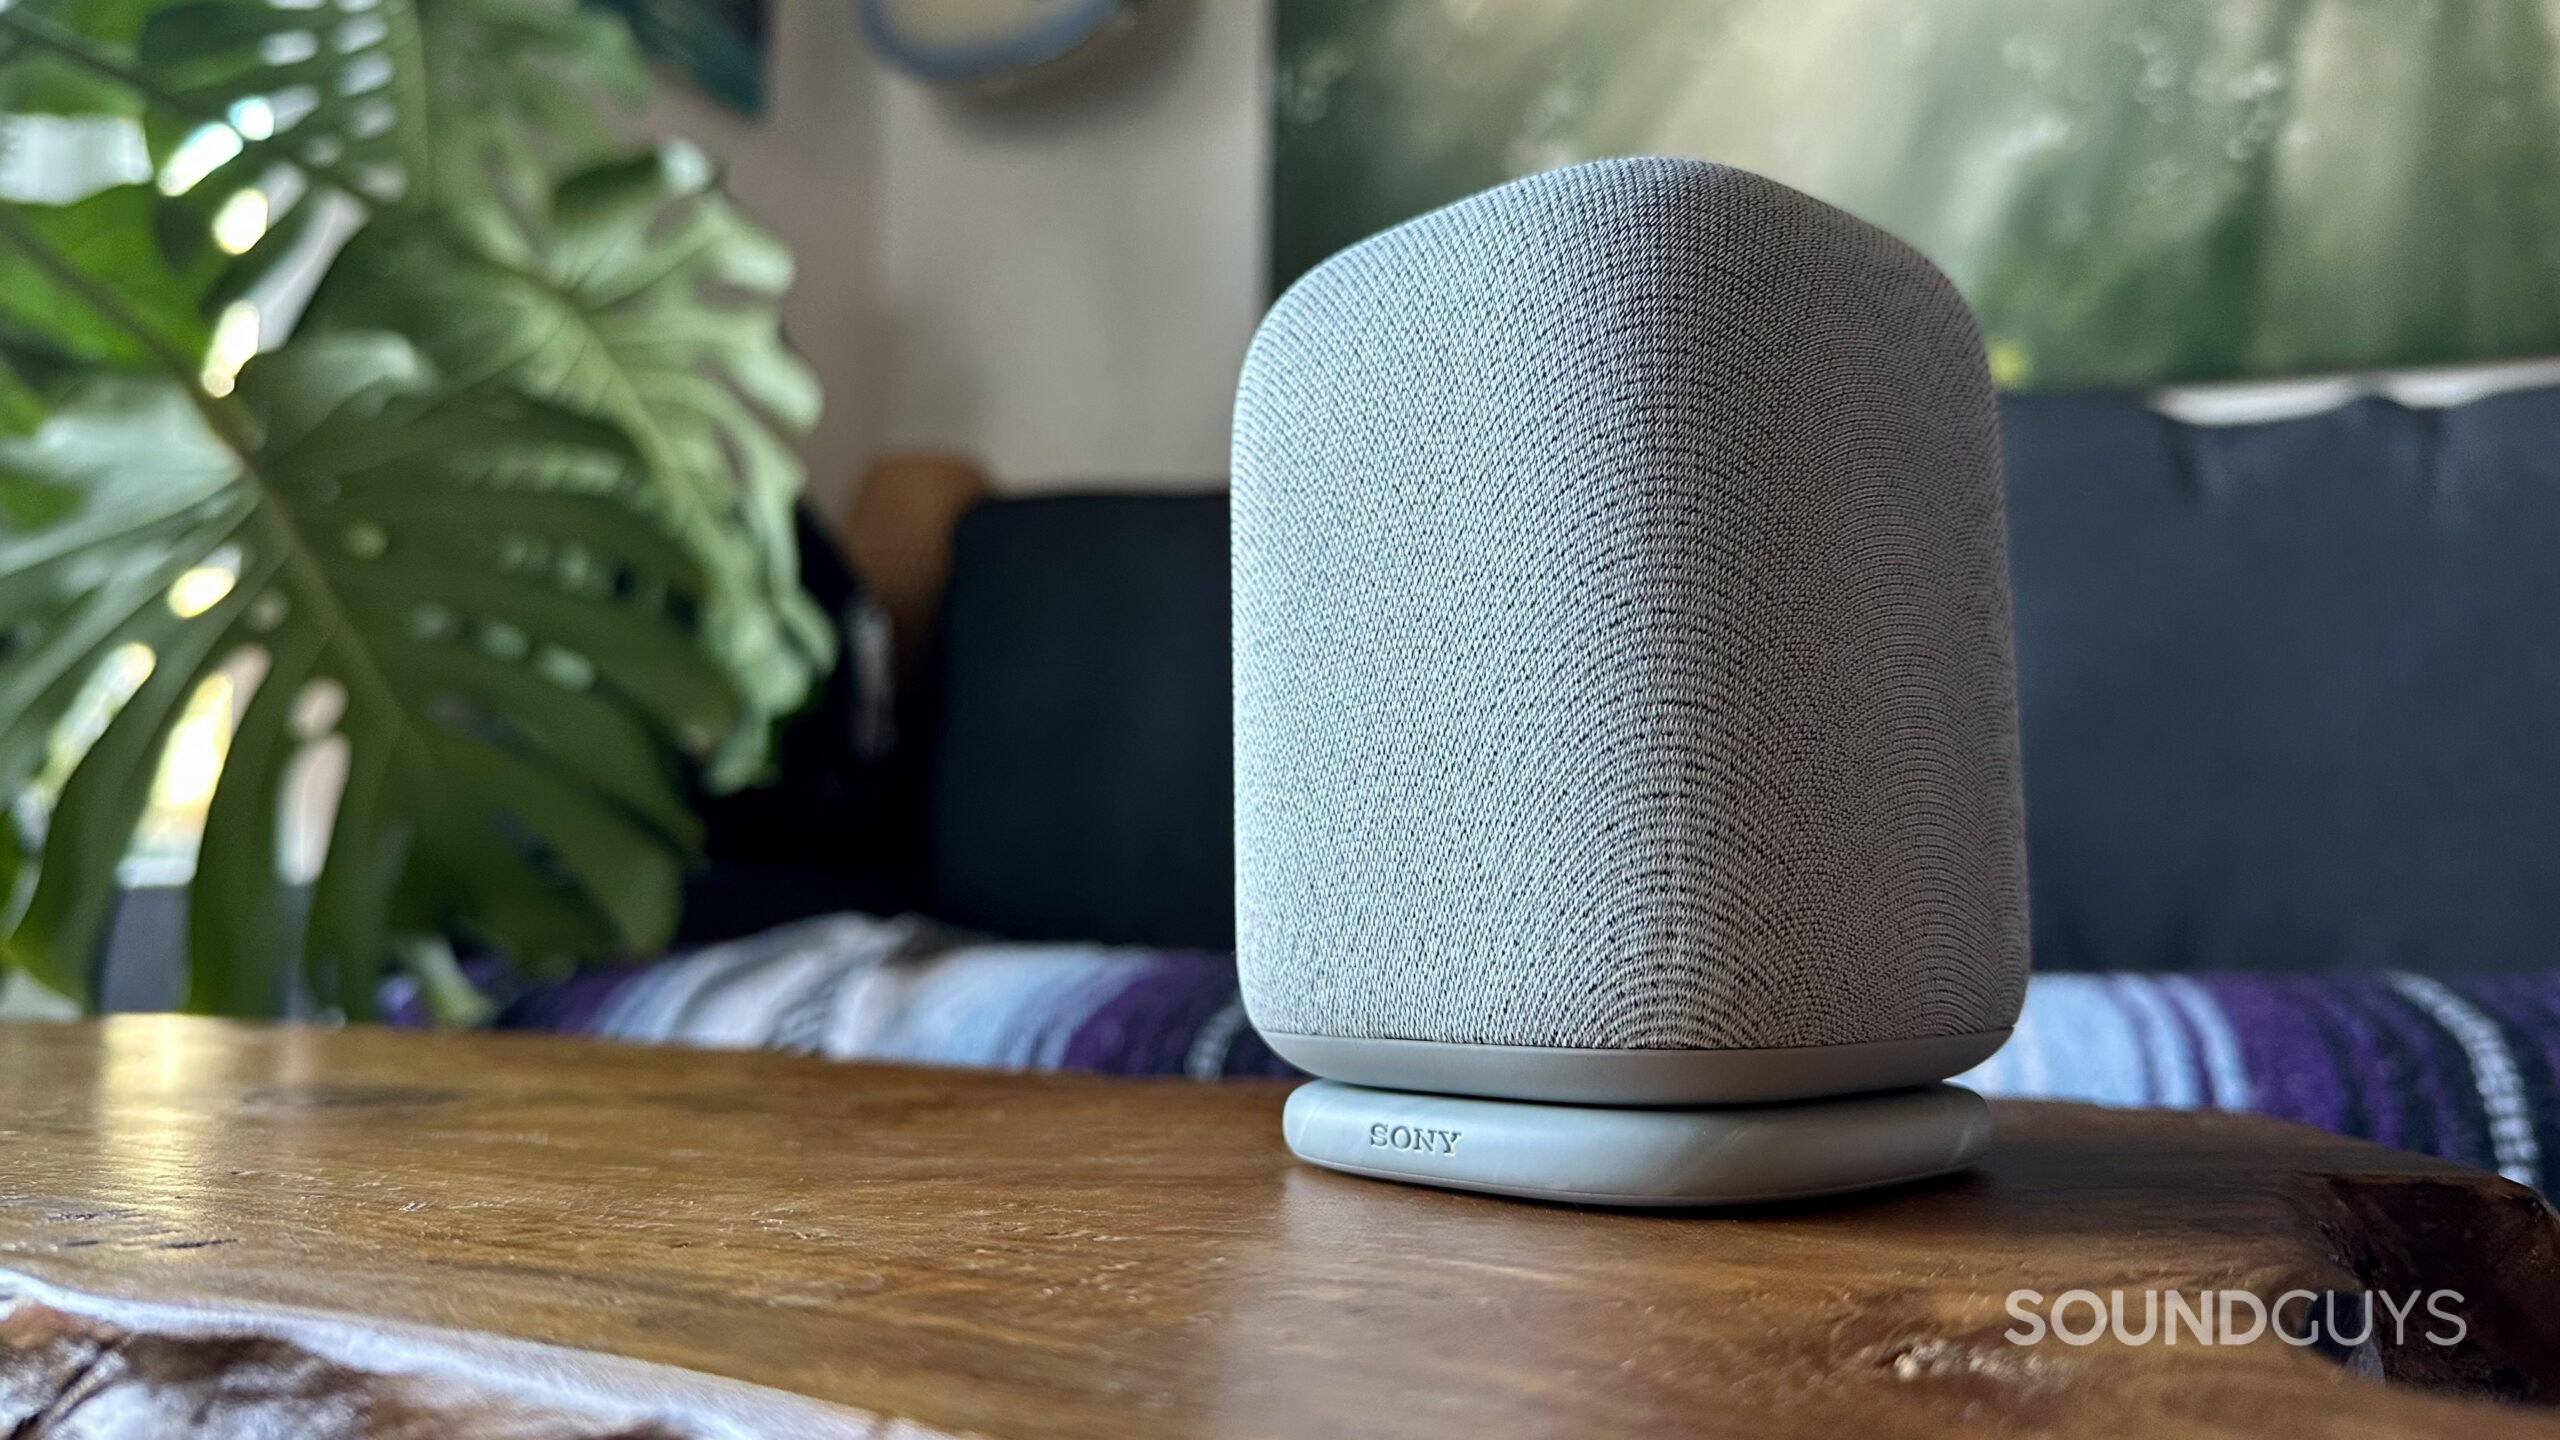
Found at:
(1622, 647)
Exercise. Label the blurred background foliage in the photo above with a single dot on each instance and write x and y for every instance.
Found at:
(2130, 192)
(396, 492)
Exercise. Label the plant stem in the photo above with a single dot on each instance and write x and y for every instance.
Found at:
(451, 997)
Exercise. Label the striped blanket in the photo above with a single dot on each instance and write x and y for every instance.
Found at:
(2467, 1069)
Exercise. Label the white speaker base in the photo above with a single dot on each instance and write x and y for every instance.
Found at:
(1594, 1155)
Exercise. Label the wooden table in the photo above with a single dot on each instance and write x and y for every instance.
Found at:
(383, 1234)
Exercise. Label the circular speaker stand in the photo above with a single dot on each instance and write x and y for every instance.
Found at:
(1650, 1158)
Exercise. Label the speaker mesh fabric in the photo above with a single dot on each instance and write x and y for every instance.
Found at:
(1622, 644)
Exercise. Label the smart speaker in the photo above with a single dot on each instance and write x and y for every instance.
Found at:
(1624, 708)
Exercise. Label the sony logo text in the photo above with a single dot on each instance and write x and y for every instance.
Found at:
(1413, 1137)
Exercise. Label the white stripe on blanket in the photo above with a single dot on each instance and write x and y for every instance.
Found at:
(734, 995)
(1010, 1007)
(2116, 1040)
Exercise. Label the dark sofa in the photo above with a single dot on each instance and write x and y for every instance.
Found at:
(2290, 694)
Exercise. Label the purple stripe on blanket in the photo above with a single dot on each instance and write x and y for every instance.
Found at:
(1250, 1057)
(2526, 1010)
(2350, 1054)
(2291, 1063)
(1162, 1021)
(570, 1006)
(1147, 1029)
(2438, 1102)
(2529, 1008)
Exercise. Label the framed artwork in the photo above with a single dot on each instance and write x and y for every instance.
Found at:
(2130, 192)
(719, 43)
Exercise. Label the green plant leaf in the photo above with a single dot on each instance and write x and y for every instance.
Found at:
(13, 856)
(276, 108)
(254, 111)
(638, 295)
(517, 83)
(236, 922)
(92, 824)
(454, 106)
(251, 111)
(38, 79)
(153, 496)
(84, 288)
(156, 499)
(89, 281)
(547, 591)
(487, 585)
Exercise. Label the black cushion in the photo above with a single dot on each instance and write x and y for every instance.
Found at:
(2291, 692)
(1079, 783)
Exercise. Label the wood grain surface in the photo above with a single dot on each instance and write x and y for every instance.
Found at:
(532, 1237)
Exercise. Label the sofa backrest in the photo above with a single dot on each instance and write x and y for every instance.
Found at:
(1079, 768)
(2290, 694)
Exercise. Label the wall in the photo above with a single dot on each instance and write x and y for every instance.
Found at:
(1067, 281)
(1059, 284)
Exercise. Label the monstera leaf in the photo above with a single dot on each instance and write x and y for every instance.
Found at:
(473, 581)
(493, 549)
(516, 84)
(251, 112)
(632, 291)
(104, 508)
(254, 110)
(54, 49)
(637, 295)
